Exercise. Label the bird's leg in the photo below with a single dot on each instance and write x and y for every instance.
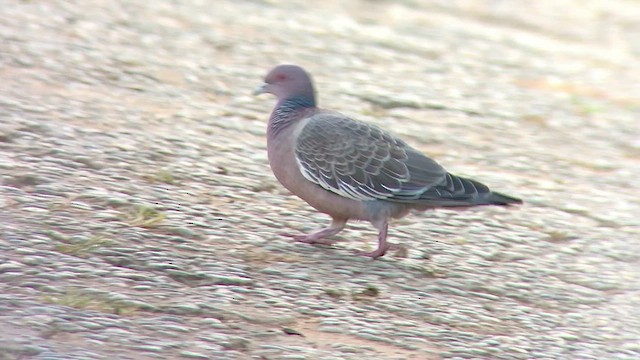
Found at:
(383, 246)
(319, 236)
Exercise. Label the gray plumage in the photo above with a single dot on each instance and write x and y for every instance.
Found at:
(353, 170)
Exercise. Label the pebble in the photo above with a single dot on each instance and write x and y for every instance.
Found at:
(151, 348)
(183, 309)
(10, 266)
(193, 355)
(68, 327)
(89, 325)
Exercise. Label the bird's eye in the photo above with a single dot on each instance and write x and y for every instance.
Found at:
(281, 77)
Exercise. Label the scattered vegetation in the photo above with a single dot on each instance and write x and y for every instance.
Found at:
(238, 344)
(258, 256)
(54, 235)
(429, 271)
(143, 216)
(401, 252)
(24, 351)
(8, 137)
(23, 180)
(368, 293)
(371, 291)
(558, 236)
(62, 204)
(585, 106)
(375, 111)
(599, 166)
(535, 119)
(334, 293)
(632, 151)
(79, 299)
(82, 247)
(264, 187)
(163, 176)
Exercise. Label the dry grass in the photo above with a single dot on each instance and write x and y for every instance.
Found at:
(143, 216)
(82, 247)
(79, 299)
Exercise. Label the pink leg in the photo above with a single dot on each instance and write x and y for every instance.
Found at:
(383, 246)
(319, 236)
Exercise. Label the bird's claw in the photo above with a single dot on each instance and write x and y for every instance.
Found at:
(374, 254)
(309, 239)
(381, 251)
(296, 237)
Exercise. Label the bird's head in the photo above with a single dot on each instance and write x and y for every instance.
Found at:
(287, 81)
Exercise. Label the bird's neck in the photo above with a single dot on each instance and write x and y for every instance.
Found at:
(289, 111)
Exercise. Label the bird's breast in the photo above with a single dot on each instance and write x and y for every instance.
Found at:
(282, 159)
(283, 164)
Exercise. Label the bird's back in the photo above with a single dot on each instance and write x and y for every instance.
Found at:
(362, 162)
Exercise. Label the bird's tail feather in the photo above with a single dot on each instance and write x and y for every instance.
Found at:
(496, 198)
(458, 191)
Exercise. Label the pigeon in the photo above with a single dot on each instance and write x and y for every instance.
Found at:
(351, 170)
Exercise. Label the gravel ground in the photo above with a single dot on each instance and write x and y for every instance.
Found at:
(139, 218)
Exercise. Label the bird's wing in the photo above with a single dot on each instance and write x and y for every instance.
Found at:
(361, 162)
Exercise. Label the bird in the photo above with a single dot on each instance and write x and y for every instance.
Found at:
(352, 170)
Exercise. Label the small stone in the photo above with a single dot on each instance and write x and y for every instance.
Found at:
(55, 235)
(228, 280)
(89, 162)
(373, 337)
(68, 327)
(32, 350)
(193, 355)
(97, 336)
(80, 205)
(90, 325)
(183, 309)
(181, 231)
(34, 209)
(172, 327)
(151, 348)
(10, 266)
(163, 266)
(142, 305)
(239, 344)
(568, 336)
(290, 331)
(142, 287)
(117, 201)
(210, 321)
(25, 251)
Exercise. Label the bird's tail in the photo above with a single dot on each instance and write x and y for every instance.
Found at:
(496, 198)
(457, 191)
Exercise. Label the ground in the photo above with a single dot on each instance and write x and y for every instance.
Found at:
(139, 218)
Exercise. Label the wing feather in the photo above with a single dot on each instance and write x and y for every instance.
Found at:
(362, 162)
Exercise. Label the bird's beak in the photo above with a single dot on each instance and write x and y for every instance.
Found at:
(261, 89)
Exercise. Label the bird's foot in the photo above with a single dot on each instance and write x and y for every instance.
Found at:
(374, 254)
(310, 239)
(321, 236)
(380, 251)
